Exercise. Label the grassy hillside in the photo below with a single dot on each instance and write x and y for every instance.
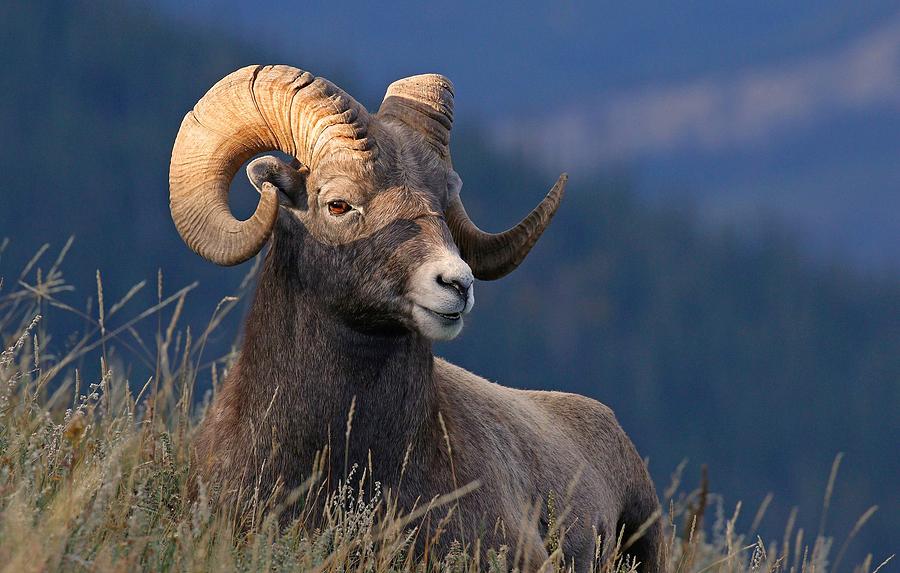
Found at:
(93, 476)
(736, 354)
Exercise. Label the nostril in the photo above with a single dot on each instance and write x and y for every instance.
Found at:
(458, 285)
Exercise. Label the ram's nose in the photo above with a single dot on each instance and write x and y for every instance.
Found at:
(461, 282)
(455, 276)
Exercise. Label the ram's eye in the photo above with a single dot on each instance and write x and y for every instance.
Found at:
(339, 207)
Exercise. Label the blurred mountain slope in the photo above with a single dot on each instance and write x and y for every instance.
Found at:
(750, 110)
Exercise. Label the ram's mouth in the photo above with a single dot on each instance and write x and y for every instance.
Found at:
(437, 325)
(449, 316)
(443, 316)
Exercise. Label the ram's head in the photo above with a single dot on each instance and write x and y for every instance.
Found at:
(370, 205)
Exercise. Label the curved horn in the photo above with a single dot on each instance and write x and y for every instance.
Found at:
(250, 111)
(425, 104)
(495, 255)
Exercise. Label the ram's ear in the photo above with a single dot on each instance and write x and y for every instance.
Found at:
(290, 180)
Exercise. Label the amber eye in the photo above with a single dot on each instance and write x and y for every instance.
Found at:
(339, 207)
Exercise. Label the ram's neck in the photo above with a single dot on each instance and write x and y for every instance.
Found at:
(301, 369)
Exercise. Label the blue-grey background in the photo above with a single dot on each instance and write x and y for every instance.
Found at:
(724, 270)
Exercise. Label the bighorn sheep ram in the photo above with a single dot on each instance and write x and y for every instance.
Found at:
(372, 257)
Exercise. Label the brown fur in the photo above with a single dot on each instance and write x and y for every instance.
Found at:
(330, 324)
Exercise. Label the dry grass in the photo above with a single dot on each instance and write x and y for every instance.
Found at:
(93, 470)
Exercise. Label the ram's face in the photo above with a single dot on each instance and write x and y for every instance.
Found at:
(383, 251)
(370, 208)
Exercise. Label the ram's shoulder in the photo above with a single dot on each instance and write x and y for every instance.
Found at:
(580, 410)
(582, 415)
(453, 378)
(573, 404)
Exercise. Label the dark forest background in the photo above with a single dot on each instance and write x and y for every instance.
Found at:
(740, 352)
